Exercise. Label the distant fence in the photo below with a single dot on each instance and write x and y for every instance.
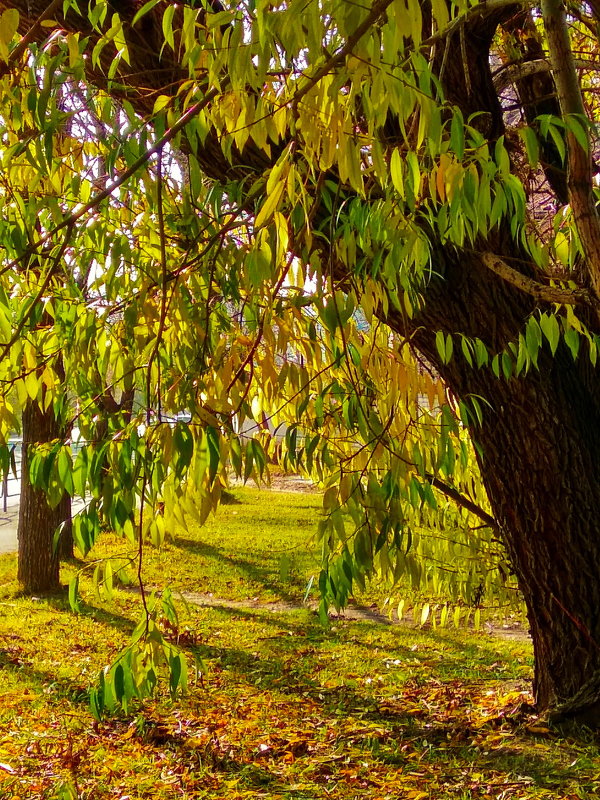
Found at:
(10, 484)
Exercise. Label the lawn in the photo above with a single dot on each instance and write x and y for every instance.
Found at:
(286, 708)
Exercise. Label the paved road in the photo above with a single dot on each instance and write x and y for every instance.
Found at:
(8, 529)
(9, 518)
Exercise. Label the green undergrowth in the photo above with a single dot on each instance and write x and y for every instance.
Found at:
(284, 707)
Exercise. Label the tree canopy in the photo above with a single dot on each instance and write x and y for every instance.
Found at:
(370, 227)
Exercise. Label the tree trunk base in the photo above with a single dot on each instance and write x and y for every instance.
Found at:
(581, 709)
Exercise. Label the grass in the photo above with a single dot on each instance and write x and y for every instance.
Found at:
(288, 709)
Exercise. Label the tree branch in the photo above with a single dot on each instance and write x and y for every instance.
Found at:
(541, 292)
(579, 160)
(511, 73)
(476, 12)
(463, 501)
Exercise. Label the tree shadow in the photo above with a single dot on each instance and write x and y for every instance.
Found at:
(291, 672)
(251, 570)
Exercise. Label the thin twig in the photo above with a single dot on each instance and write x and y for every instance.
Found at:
(74, 217)
(45, 283)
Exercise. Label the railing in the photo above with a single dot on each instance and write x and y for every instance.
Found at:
(11, 482)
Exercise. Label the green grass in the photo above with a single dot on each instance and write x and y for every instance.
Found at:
(259, 547)
(288, 709)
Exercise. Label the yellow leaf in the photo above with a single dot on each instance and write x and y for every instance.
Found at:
(282, 235)
(9, 22)
(31, 385)
(440, 13)
(396, 172)
(268, 207)
(439, 181)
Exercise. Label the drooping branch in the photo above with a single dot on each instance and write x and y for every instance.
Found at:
(463, 501)
(82, 211)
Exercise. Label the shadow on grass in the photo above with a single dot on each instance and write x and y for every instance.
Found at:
(44, 680)
(251, 570)
(292, 672)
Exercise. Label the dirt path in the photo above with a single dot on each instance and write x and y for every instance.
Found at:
(279, 483)
(513, 631)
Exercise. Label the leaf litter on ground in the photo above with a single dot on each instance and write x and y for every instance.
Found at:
(288, 708)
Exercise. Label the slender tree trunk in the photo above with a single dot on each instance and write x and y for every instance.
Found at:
(38, 569)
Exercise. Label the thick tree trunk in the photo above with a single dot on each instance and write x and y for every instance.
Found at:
(539, 446)
(38, 569)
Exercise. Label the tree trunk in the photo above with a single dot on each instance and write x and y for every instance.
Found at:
(38, 569)
(540, 445)
(539, 454)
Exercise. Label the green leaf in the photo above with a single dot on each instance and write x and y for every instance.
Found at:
(74, 594)
(467, 346)
(532, 146)
(167, 25)
(578, 125)
(396, 172)
(572, 341)
(144, 10)
(551, 330)
(533, 339)
(214, 454)
(440, 345)
(183, 443)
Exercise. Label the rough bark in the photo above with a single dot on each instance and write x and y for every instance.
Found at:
(38, 560)
(540, 446)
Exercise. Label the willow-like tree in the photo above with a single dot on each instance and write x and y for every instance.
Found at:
(426, 168)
